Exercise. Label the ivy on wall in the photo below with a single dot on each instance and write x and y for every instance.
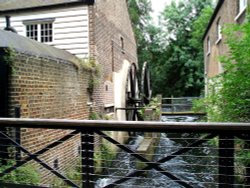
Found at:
(95, 73)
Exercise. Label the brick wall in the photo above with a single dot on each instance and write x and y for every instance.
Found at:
(226, 14)
(49, 88)
(52, 88)
(111, 27)
(46, 88)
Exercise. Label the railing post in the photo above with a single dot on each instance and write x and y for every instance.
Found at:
(226, 161)
(87, 159)
(172, 104)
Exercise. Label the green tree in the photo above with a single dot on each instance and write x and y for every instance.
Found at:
(173, 49)
(139, 11)
(179, 71)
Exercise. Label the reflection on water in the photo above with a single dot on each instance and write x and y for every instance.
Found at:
(185, 167)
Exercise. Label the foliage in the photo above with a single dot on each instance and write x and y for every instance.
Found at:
(229, 93)
(243, 157)
(104, 156)
(174, 50)
(198, 105)
(139, 11)
(9, 58)
(99, 116)
(73, 173)
(94, 116)
(181, 68)
(26, 174)
(155, 105)
(95, 70)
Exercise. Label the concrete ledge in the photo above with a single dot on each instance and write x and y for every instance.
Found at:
(144, 146)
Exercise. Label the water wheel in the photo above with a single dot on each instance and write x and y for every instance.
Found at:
(146, 91)
(132, 94)
(137, 96)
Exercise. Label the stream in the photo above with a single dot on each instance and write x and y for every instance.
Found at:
(198, 176)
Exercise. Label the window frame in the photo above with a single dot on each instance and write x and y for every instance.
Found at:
(46, 32)
(218, 31)
(45, 29)
(122, 44)
(241, 8)
(32, 32)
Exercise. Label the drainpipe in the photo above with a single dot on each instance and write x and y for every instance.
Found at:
(8, 26)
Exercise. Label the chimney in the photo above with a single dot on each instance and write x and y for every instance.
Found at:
(8, 26)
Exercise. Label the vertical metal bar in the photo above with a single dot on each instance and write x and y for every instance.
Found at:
(17, 132)
(87, 154)
(172, 104)
(226, 161)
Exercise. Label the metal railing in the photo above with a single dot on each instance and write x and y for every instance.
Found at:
(180, 105)
(82, 153)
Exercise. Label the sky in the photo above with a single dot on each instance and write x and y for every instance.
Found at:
(158, 6)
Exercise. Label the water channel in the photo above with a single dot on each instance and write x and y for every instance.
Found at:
(200, 176)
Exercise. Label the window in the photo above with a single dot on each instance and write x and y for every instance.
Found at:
(242, 5)
(46, 32)
(219, 28)
(40, 30)
(208, 45)
(122, 43)
(31, 31)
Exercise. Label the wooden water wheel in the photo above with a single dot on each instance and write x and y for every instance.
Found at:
(137, 96)
(146, 91)
(132, 94)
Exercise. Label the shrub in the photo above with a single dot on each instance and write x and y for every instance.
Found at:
(26, 174)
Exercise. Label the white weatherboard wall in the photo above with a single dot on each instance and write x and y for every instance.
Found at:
(70, 28)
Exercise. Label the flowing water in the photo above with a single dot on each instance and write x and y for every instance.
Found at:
(179, 165)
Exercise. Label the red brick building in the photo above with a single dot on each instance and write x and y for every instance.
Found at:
(51, 80)
(100, 30)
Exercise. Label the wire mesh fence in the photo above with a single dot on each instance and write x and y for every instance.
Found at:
(53, 153)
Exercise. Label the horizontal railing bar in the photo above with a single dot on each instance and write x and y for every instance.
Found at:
(184, 113)
(135, 108)
(171, 105)
(145, 126)
(180, 98)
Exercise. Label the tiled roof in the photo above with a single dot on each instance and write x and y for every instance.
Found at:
(14, 5)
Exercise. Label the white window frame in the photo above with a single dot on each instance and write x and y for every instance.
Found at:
(242, 6)
(32, 33)
(218, 30)
(39, 28)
